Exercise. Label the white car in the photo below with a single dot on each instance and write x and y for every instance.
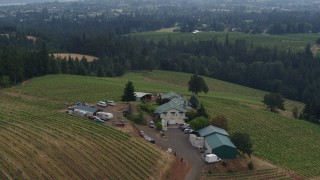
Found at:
(110, 103)
(188, 131)
(102, 104)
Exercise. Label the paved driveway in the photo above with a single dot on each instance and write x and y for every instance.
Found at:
(179, 143)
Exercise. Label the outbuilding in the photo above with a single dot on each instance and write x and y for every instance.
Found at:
(141, 96)
(220, 145)
(217, 141)
(87, 110)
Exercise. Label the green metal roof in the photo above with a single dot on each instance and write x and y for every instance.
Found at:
(169, 105)
(211, 130)
(170, 95)
(217, 140)
(86, 108)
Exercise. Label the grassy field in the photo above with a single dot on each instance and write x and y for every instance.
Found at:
(39, 141)
(282, 140)
(292, 41)
(74, 56)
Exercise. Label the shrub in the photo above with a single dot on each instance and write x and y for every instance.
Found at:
(147, 107)
(159, 126)
(220, 121)
(225, 164)
(199, 122)
(250, 165)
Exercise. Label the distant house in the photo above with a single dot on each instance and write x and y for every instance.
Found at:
(217, 141)
(169, 96)
(83, 110)
(173, 111)
(141, 96)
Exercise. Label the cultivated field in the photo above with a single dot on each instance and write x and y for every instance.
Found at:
(287, 142)
(74, 56)
(38, 141)
(292, 41)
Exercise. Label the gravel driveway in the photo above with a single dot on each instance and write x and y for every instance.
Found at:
(179, 143)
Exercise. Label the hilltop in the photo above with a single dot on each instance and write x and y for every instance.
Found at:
(280, 139)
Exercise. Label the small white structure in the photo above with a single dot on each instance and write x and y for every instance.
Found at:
(80, 112)
(104, 115)
(141, 96)
(211, 158)
(197, 142)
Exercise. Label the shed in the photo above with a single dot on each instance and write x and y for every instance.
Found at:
(90, 111)
(211, 130)
(220, 145)
(141, 96)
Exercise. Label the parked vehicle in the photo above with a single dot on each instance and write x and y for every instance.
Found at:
(98, 120)
(181, 125)
(110, 103)
(211, 158)
(151, 124)
(188, 131)
(185, 126)
(92, 117)
(102, 104)
(104, 115)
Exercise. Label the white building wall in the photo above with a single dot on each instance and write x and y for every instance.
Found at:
(173, 115)
(209, 150)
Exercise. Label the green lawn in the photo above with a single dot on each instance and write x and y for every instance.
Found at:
(292, 41)
(287, 142)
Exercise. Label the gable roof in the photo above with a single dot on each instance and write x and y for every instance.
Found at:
(170, 95)
(217, 140)
(206, 131)
(141, 94)
(86, 108)
(168, 106)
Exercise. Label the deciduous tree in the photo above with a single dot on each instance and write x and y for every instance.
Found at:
(243, 142)
(197, 85)
(274, 101)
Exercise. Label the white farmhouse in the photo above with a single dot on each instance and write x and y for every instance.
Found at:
(173, 112)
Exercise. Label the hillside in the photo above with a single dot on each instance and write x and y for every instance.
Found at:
(292, 41)
(40, 141)
(282, 140)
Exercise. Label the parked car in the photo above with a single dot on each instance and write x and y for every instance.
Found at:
(98, 120)
(92, 117)
(102, 104)
(185, 126)
(181, 125)
(110, 103)
(188, 131)
(141, 133)
(151, 124)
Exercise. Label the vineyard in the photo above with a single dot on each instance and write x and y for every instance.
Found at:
(262, 174)
(39, 142)
(284, 141)
(294, 42)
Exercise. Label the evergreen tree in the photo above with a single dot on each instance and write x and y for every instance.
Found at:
(128, 93)
(202, 112)
(194, 102)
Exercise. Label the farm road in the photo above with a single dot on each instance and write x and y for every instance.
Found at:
(179, 143)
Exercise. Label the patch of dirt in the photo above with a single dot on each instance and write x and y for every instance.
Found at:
(24, 96)
(179, 170)
(27, 82)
